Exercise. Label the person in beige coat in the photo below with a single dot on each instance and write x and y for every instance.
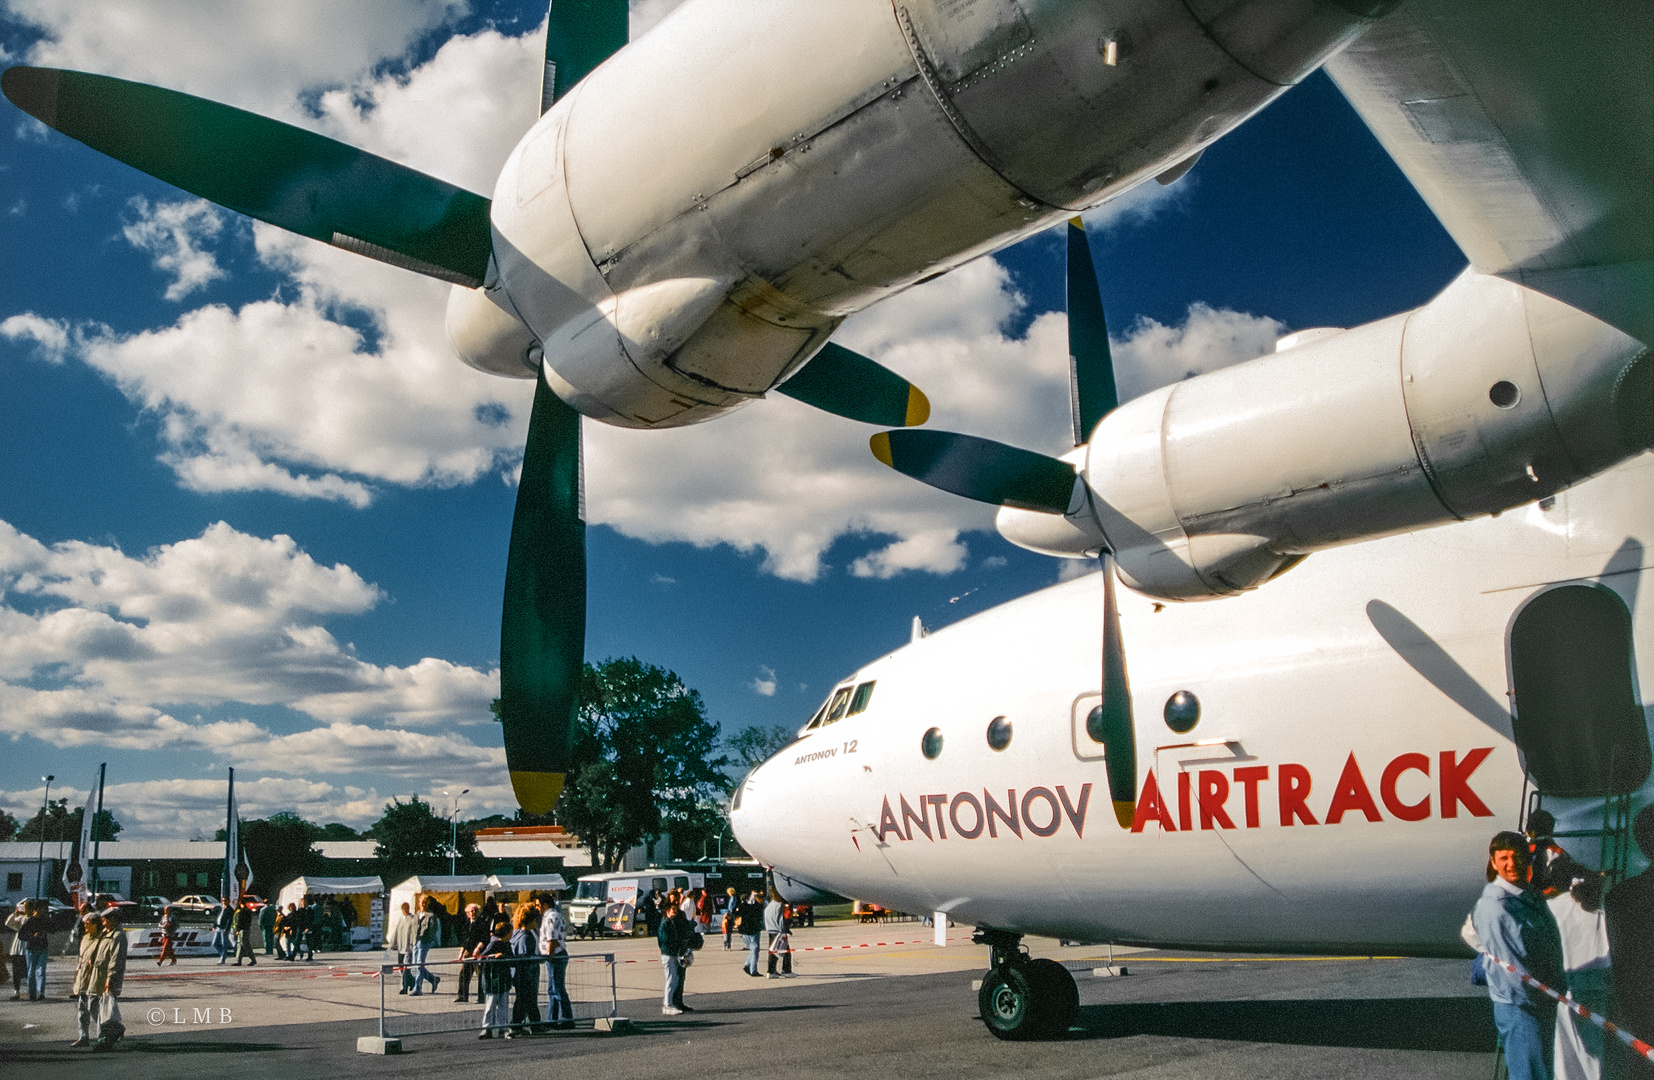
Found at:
(91, 976)
(110, 1028)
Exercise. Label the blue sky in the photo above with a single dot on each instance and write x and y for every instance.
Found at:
(256, 516)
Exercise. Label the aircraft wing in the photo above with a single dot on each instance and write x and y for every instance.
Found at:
(1529, 131)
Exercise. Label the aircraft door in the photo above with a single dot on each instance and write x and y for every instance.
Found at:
(1579, 723)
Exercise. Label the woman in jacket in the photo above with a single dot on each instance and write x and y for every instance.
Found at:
(494, 979)
(14, 923)
(525, 984)
(33, 935)
(427, 935)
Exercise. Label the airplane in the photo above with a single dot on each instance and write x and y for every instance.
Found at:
(696, 212)
(1362, 601)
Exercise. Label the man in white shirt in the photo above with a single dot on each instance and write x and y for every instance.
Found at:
(1584, 929)
(554, 942)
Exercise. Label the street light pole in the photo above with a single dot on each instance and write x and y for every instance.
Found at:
(453, 843)
(40, 858)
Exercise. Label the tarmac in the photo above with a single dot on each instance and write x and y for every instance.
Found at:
(867, 1001)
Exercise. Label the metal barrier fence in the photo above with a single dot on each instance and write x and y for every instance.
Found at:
(588, 979)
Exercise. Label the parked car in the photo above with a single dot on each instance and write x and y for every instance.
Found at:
(153, 903)
(196, 904)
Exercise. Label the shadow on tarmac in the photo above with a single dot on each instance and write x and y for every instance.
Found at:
(1462, 1024)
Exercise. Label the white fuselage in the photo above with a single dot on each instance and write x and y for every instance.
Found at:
(1294, 674)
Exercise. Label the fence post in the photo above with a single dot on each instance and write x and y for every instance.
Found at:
(383, 968)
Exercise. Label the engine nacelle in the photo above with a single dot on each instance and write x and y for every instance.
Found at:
(686, 228)
(489, 338)
(1490, 396)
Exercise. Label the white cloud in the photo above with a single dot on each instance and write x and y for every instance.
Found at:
(172, 234)
(244, 52)
(1141, 204)
(49, 338)
(764, 683)
(1153, 355)
(939, 552)
(94, 643)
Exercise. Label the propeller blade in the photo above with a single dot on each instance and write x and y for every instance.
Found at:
(1092, 394)
(580, 34)
(979, 469)
(851, 385)
(1115, 724)
(543, 626)
(275, 172)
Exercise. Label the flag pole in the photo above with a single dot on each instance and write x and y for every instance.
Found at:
(97, 842)
(229, 839)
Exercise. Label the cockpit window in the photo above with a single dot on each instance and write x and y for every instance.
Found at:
(864, 694)
(835, 709)
(821, 714)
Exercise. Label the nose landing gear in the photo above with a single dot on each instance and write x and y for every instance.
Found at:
(1022, 998)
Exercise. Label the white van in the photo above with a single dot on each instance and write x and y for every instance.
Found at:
(613, 897)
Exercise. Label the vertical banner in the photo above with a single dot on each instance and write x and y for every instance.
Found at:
(232, 849)
(74, 868)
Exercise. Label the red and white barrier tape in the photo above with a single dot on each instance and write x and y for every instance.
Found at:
(1637, 1045)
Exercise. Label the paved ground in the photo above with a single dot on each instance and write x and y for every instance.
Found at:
(858, 1008)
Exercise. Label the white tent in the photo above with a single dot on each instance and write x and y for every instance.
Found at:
(452, 893)
(365, 895)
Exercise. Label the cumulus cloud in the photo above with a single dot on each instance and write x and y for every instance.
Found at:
(93, 641)
(764, 683)
(172, 233)
(49, 338)
(244, 52)
(1152, 354)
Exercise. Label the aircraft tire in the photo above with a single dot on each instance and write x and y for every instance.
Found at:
(1034, 1000)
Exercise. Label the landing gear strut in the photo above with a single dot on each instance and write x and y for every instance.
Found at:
(1022, 998)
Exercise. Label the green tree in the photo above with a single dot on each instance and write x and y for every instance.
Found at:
(335, 830)
(58, 822)
(278, 849)
(752, 746)
(413, 839)
(644, 761)
(8, 826)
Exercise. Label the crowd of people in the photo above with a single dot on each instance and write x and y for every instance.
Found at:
(501, 953)
(1552, 919)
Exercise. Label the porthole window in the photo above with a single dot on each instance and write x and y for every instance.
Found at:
(931, 744)
(1182, 711)
(999, 733)
(1504, 394)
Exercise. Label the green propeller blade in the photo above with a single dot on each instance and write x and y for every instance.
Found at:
(580, 35)
(1092, 394)
(543, 620)
(543, 624)
(275, 172)
(849, 384)
(1111, 723)
(979, 469)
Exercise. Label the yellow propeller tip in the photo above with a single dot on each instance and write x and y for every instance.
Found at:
(537, 792)
(1077, 221)
(1125, 813)
(880, 445)
(918, 408)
